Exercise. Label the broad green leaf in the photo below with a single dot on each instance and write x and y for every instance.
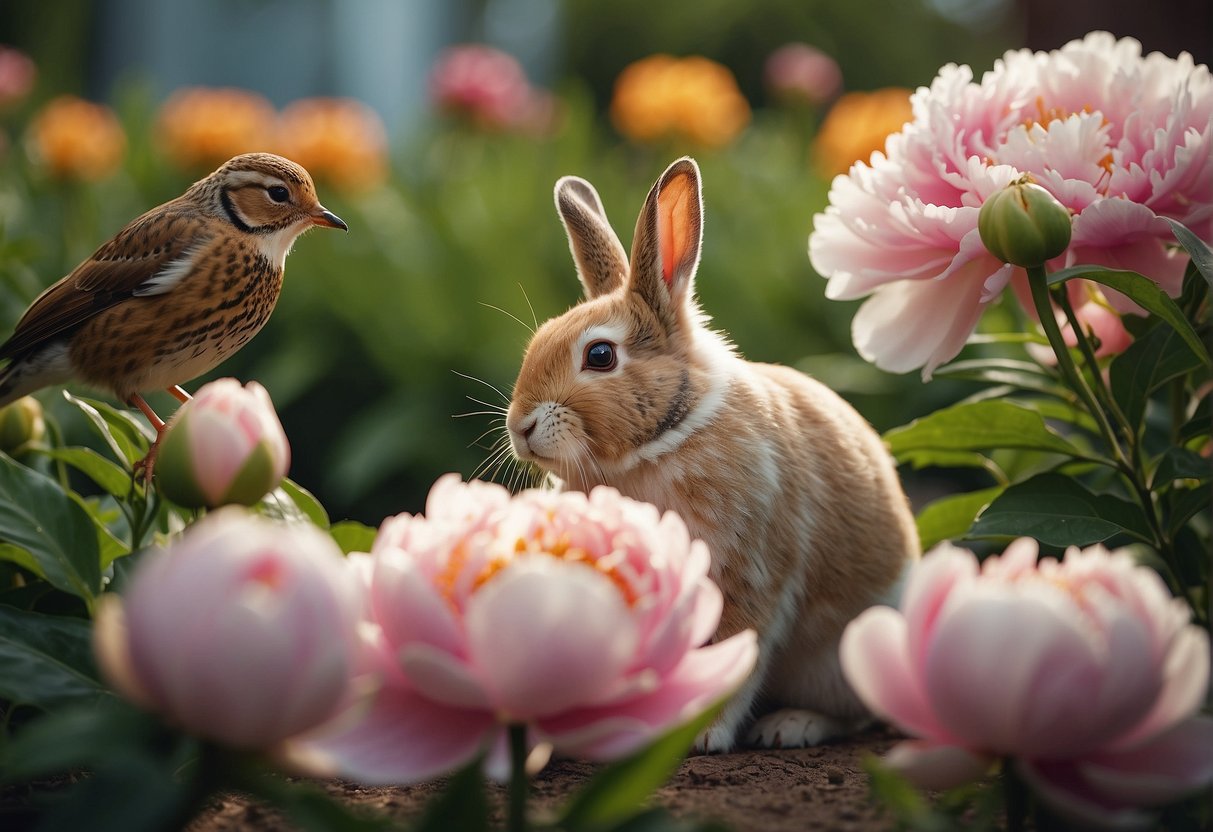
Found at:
(1191, 557)
(36, 515)
(307, 503)
(46, 660)
(975, 426)
(950, 518)
(1057, 510)
(1024, 375)
(1181, 464)
(620, 789)
(1145, 293)
(133, 791)
(1186, 503)
(463, 805)
(1060, 411)
(1198, 250)
(78, 736)
(112, 478)
(127, 438)
(353, 536)
(1148, 363)
(291, 502)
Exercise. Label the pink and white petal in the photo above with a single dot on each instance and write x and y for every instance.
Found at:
(409, 608)
(942, 571)
(546, 635)
(920, 323)
(1185, 683)
(706, 676)
(876, 662)
(929, 765)
(1063, 790)
(403, 737)
(111, 645)
(689, 624)
(442, 677)
(1159, 770)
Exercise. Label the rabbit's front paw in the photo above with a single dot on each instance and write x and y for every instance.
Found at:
(796, 728)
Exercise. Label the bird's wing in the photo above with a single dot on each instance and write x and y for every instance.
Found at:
(158, 243)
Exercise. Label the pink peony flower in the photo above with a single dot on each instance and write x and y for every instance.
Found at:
(243, 632)
(486, 86)
(1086, 671)
(798, 72)
(1119, 139)
(224, 446)
(579, 616)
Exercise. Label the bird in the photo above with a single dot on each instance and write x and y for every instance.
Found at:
(173, 294)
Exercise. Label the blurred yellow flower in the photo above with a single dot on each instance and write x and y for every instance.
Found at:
(76, 139)
(692, 98)
(340, 140)
(200, 128)
(857, 125)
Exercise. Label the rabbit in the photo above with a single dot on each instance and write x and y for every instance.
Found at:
(792, 490)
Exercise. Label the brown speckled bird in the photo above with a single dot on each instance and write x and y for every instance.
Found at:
(174, 293)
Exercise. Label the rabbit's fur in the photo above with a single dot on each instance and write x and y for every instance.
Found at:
(791, 489)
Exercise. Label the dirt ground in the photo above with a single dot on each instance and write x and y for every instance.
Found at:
(797, 790)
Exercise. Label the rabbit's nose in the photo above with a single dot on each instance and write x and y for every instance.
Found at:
(529, 427)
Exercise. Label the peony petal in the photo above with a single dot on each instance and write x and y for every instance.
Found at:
(1159, 770)
(876, 662)
(112, 648)
(703, 678)
(403, 737)
(1185, 682)
(930, 583)
(443, 678)
(1060, 787)
(408, 607)
(932, 766)
(547, 635)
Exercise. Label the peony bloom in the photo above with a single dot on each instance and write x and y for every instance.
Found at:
(488, 88)
(662, 97)
(200, 128)
(17, 75)
(1084, 670)
(77, 140)
(1119, 139)
(243, 632)
(857, 126)
(578, 616)
(799, 73)
(225, 445)
(340, 140)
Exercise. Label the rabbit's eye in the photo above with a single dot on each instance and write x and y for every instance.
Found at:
(599, 355)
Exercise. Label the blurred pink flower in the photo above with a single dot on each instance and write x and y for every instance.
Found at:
(1086, 671)
(798, 72)
(225, 445)
(1119, 139)
(17, 76)
(579, 616)
(487, 87)
(243, 632)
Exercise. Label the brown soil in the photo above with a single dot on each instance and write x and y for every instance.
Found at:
(798, 790)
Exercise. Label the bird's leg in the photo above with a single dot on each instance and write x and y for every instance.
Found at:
(144, 467)
(180, 395)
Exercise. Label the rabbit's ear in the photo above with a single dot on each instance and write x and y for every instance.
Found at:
(669, 235)
(602, 263)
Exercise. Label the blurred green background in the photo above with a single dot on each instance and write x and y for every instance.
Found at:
(385, 336)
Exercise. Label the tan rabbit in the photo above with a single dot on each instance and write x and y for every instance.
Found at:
(791, 489)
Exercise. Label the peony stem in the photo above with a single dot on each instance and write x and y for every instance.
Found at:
(518, 779)
(1016, 794)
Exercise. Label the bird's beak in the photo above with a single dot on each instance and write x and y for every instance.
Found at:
(325, 217)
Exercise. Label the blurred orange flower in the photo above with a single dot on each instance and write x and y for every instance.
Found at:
(76, 139)
(857, 125)
(340, 140)
(200, 128)
(692, 98)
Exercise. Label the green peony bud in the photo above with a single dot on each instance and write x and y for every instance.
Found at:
(21, 423)
(1024, 225)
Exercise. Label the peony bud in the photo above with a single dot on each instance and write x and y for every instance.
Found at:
(1024, 225)
(21, 423)
(224, 446)
(244, 632)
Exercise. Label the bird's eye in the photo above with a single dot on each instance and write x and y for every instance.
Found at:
(278, 193)
(599, 355)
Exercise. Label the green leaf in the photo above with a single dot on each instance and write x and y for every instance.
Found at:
(46, 660)
(950, 518)
(1145, 293)
(112, 478)
(974, 426)
(1148, 363)
(463, 805)
(127, 438)
(1181, 464)
(78, 736)
(353, 536)
(620, 789)
(1186, 503)
(1057, 510)
(1060, 411)
(36, 515)
(290, 501)
(1025, 375)
(1198, 250)
(132, 791)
